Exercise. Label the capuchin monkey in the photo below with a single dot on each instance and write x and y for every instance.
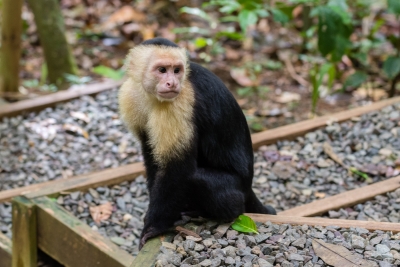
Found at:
(195, 140)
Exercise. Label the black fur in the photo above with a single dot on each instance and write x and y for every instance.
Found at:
(213, 178)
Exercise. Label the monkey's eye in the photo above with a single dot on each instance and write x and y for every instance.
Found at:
(177, 70)
(162, 69)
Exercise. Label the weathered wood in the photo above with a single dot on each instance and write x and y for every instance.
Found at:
(81, 182)
(148, 254)
(5, 251)
(42, 102)
(10, 50)
(294, 220)
(24, 249)
(72, 242)
(300, 128)
(345, 199)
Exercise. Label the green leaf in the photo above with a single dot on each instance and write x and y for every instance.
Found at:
(197, 12)
(394, 6)
(360, 173)
(355, 80)
(247, 18)
(230, 7)
(108, 72)
(391, 67)
(245, 224)
(230, 35)
(279, 16)
(200, 42)
(333, 33)
(245, 91)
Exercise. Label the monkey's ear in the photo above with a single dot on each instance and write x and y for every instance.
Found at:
(136, 61)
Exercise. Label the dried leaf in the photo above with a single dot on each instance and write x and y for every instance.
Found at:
(186, 232)
(126, 14)
(241, 77)
(376, 94)
(319, 195)
(80, 116)
(76, 130)
(329, 151)
(101, 212)
(287, 97)
(338, 256)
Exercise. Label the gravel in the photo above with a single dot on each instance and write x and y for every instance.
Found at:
(129, 200)
(85, 135)
(280, 245)
(73, 138)
(383, 208)
(292, 173)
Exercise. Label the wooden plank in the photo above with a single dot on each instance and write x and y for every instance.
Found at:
(42, 102)
(72, 242)
(81, 182)
(5, 251)
(345, 199)
(24, 248)
(148, 254)
(300, 128)
(294, 220)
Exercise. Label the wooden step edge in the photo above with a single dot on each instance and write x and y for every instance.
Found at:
(315, 221)
(41, 102)
(5, 251)
(72, 242)
(345, 199)
(294, 130)
(102, 178)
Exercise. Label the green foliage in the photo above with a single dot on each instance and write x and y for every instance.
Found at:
(391, 67)
(248, 11)
(108, 72)
(334, 31)
(73, 79)
(355, 80)
(317, 77)
(394, 6)
(360, 173)
(245, 224)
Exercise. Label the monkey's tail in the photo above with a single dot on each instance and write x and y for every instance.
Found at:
(253, 205)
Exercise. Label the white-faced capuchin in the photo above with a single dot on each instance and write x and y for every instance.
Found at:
(195, 140)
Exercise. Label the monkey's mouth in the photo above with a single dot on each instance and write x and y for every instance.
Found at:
(168, 94)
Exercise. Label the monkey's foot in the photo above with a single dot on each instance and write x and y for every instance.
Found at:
(147, 234)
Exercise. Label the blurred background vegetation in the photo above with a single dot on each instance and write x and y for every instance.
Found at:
(284, 60)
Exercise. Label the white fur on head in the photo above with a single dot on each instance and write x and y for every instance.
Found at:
(168, 124)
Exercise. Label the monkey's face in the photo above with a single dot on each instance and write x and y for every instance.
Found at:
(165, 77)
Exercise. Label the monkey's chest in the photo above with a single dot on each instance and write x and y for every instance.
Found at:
(170, 134)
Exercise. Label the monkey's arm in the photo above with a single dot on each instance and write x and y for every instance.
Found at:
(169, 192)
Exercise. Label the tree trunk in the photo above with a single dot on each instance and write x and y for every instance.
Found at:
(10, 52)
(50, 24)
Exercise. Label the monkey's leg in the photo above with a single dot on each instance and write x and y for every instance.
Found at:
(219, 194)
(167, 201)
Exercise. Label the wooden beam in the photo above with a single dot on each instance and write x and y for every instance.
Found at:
(81, 182)
(148, 254)
(5, 251)
(313, 221)
(345, 199)
(300, 128)
(72, 242)
(42, 102)
(24, 248)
